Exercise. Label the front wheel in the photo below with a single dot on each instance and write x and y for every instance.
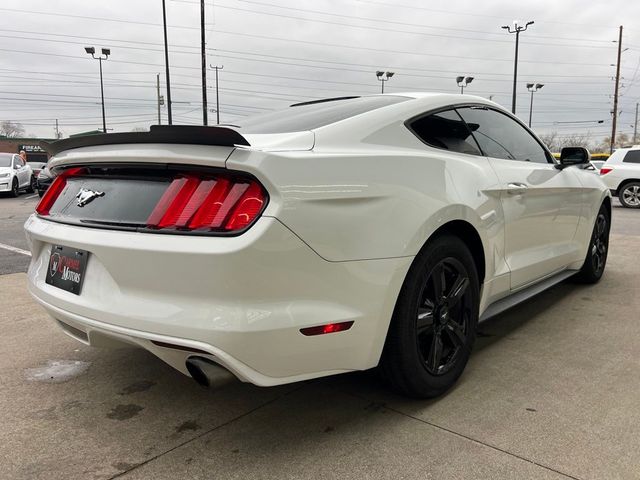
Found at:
(434, 322)
(629, 195)
(15, 188)
(596, 259)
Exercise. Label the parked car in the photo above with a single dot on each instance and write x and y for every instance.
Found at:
(36, 166)
(332, 236)
(44, 180)
(15, 175)
(621, 173)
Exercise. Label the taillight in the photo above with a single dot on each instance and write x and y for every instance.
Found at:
(605, 170)
(54, 191)
(218, 204)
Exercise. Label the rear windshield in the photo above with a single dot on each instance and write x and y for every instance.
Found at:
(5, 159)
(314, 115)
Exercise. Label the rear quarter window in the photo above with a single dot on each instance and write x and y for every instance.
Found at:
(446, 131)
(632, 156)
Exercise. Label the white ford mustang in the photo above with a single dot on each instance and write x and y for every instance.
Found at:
(332, 236)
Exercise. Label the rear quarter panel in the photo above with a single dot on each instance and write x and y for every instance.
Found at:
(380, 196)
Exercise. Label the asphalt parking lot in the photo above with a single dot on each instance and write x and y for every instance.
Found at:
(551, 391)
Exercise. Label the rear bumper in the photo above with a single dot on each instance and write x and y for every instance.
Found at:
(242, 299)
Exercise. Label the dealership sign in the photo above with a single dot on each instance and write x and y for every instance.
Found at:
(31, 148)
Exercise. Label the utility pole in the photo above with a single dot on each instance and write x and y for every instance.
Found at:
(166, 62)
(204, 67)
(159, 97)
(58, 130)
(635, 127)
(516, 29)
(615, 95)
(217, 96)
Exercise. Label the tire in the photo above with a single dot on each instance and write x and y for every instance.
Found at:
(596, 259)
(629, 195)
(33, 184)
(430, 337)
(15, 188)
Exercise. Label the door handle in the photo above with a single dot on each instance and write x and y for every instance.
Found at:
(517, 188)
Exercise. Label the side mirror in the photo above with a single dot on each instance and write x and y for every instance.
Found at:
(16, 166)
(573, 156)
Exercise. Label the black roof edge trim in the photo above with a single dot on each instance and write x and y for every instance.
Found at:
(177, 134)
(323, 100)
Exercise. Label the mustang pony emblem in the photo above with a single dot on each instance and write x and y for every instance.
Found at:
(85, 196)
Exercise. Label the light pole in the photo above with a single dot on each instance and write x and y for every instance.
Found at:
(216, 67)
(516, 29)
(533, 87)
(106, 52)
(384, 77)
(463, 81)
(166, 63)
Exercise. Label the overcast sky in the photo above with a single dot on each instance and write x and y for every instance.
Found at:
(277, 52)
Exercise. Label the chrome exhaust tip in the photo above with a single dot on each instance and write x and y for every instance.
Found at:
(209, 374)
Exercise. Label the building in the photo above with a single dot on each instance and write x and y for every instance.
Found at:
(31, 146)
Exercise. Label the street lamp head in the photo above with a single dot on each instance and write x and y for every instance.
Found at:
(506, 27)
(379, 73)
(390, 74)
(90, 50)
(468, 80)
(529, 85)
(530, 23)
(539, 85)
(459, 79)
(106, 51)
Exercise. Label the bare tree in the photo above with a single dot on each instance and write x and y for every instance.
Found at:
(11, 129)
(550, 140)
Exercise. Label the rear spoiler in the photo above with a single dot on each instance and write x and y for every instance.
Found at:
(180, 134)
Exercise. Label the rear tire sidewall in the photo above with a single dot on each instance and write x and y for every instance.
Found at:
(621, 194)
(402, 363)
(588, 272)
(32, 185)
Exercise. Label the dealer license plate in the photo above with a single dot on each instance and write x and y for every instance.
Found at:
(66, 268)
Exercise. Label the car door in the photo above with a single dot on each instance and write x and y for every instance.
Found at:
(541, 204)
(19, 172)
(22, 171)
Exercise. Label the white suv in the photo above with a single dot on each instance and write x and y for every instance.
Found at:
(621, 173)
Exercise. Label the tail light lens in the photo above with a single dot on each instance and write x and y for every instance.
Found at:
(605, 170)
(191, 202)
(220, 204)
(55, 189)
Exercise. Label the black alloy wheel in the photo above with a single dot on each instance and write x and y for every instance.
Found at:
(600, 243)
(433, 325)
(596, 260)
(443, 316)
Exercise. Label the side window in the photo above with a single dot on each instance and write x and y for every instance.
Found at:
(632, 156)
(16, 162)
(501, 137)
(445, 130)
